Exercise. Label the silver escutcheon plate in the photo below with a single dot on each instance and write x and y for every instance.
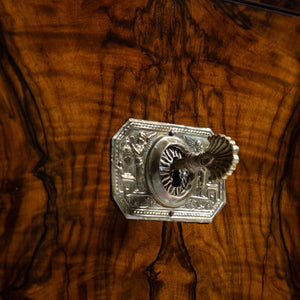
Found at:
(142, 153)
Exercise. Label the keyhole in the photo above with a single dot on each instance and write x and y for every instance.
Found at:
(175, 182)
(176, 178)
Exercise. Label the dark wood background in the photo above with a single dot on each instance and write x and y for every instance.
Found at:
(72, 72)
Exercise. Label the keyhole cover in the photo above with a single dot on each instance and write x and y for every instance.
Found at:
(171, 188)
(148, 185)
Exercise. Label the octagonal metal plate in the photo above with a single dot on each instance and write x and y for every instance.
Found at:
(129, 150)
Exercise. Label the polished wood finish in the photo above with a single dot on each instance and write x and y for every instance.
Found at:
(286, 7)
(72, 72)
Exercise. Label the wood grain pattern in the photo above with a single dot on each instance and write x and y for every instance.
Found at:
(286, 7)
(72, 72)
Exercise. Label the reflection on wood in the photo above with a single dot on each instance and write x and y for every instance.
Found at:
(72, 72)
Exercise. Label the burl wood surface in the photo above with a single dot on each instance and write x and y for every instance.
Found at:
(287, 7)
(71, 73)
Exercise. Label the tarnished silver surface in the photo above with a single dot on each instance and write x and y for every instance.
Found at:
(144, 183)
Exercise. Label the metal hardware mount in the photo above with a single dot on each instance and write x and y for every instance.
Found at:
(168, 172)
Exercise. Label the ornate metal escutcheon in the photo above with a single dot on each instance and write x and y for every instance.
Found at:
(168, 172)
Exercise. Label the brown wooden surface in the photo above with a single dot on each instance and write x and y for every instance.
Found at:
(71, 73)
(287, 7)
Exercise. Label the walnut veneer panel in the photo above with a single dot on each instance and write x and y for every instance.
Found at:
(71, 73)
